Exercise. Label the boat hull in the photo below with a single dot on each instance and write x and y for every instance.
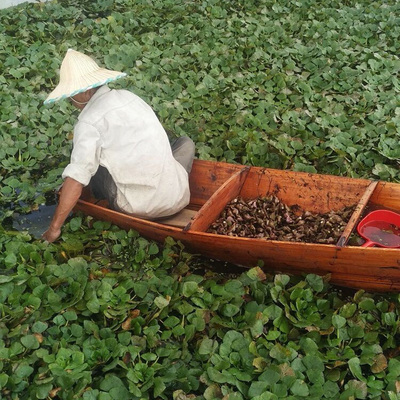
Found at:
(372, 269)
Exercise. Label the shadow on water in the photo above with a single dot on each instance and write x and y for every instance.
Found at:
(36, 222)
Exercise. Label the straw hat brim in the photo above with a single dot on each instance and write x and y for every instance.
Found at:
(71, 88)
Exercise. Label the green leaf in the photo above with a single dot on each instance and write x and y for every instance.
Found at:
(42, 391)
(331, 389)
(355, 368)
(23, 371)
(257, 389)
(30, 342)
(282, 280)
(220, 377)
(140, 289)
(161, 302)
(70, 316)
(3, 380)
(348, 310)
(316, 282)
(230, 310)
(300, 388)
(189, 288)
(75, 224)
(207, 346)
(308, 345)
(159, 387)
(256, 274)
(10, 260)
(338, 321)
(367, 304)
(172, 321)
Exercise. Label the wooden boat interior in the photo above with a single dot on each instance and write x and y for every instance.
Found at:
(214, 184)
(309, 192)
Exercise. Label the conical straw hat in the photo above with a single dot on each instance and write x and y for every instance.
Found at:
(79, 73)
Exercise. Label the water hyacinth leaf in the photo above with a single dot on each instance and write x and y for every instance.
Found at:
(30, 342)
(282, 323)
(358, 389)
(93, 305)
(257, 328)
(72, 245)
(178, 330)
(257, 389)
(159, 387)
(189, 288)
(115, 387)
(6, 279)
(140, 289)
(355, 368)
(338, 321)
(389, 318)
(234, 286)
(185, 308)
(308, 345)
(273, 312)
(42, 391)
(208, 346)
(256, 274)
(367, 304)
(348, 310)
(270, 376)
(259, 363)
(152, 249)
(316, 282)
(70, 316)
(281, 280)
(220, 376)
(394, 369)
(212, 392)
(266, 396)
(230, 310)
(161, 302)
(356, 331)
(331, 389)
(172, 321)
(380, 364)
(300, 388)
(315, 377)
(10, 260)
(313, 362)
(282, 353)
(75, 224)
(23, 371)
(3, 380)
(273, 335)
(91, 394)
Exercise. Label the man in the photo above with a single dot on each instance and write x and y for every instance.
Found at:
(120, 148)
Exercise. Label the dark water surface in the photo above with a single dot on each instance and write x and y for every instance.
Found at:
(35, 222)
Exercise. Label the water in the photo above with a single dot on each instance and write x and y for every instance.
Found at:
(382, 233)
(35, 222)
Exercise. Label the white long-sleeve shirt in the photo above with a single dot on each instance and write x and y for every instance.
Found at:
(119, 131)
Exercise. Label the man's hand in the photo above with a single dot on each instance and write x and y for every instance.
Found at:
(70, 193)
(51, 234)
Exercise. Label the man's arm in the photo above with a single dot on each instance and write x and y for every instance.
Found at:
(70, 193)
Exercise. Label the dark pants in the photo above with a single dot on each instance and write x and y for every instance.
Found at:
(104, 187)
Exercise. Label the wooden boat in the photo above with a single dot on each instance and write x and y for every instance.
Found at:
(214, 184)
